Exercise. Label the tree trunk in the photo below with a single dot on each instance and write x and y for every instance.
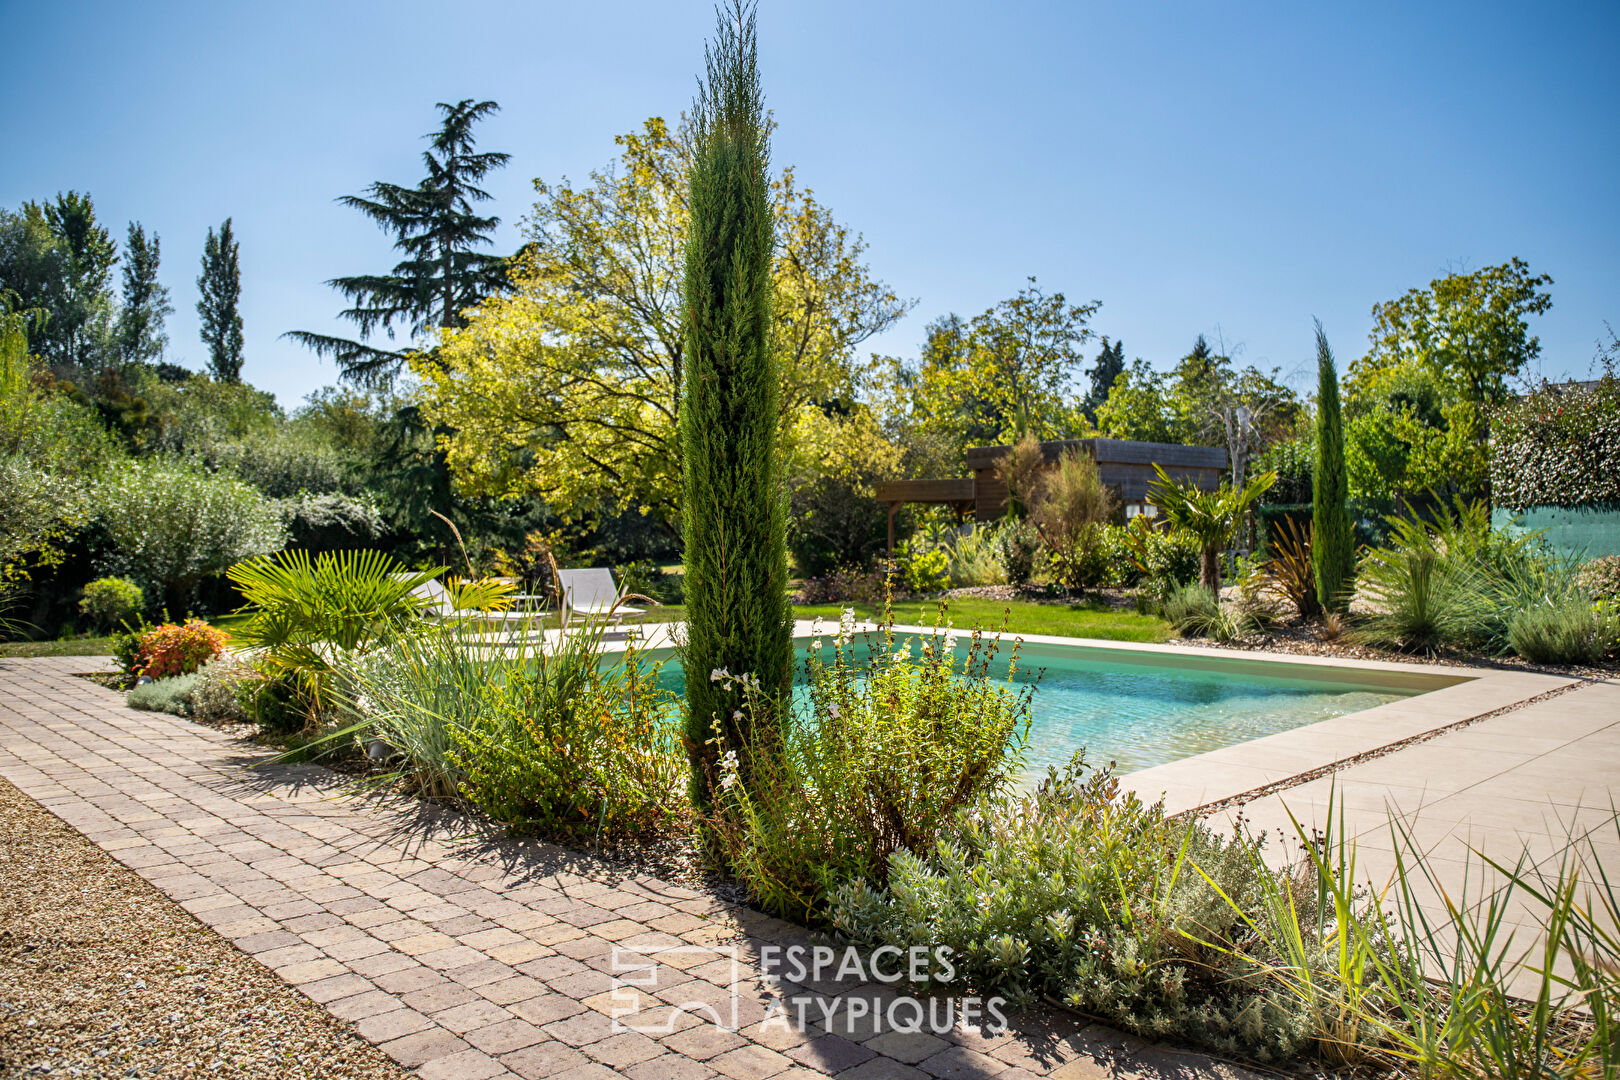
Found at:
(1210, 570)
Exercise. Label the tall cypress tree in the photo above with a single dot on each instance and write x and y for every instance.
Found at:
(220, 286)
(433, 223)
(1332, 537)
(146, 302)
(732, 514)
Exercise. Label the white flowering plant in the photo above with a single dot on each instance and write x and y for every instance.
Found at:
(887, 738)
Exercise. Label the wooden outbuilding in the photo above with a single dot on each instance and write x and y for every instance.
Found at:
(1123, 465)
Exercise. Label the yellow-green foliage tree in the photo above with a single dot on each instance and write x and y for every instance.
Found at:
(1440, 359)
(567, 386)
(1009, 370)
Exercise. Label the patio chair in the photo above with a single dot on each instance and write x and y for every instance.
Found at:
(592, 593)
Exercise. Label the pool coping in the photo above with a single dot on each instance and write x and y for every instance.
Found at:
(1285, 759)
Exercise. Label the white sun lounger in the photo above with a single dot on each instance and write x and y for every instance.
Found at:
(593, 594)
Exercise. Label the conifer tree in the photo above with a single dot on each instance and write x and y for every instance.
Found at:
(1110, 362)
(733, 517)
(443, 272)
(1332, 537)
(220, 286)
(146, 302)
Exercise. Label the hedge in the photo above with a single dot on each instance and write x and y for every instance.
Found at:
(1558, 446)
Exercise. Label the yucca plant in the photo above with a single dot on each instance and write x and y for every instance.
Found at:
(1211, 516)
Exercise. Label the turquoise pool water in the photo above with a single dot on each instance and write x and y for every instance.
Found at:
(1140, 709)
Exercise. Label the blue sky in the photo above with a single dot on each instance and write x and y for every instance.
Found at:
(1195, 167)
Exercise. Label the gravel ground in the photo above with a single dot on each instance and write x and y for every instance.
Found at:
(103, 976)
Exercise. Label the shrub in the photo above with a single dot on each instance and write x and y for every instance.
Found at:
(978, 558)
(875, 760)
(224, 692)
(171, 525)
(1194, 611)
(1560, 446)
(111, 602)
(1165, 558)
(1421, 600)
(1289, 571)
(332, 521)
(305, 612)
(646, 578)
(1571, 630)
(1081, 892)
(175, 648)
(170, 695)
(844, 586)
(925, 568)
(565, 741)
(1069, 506)
(1020, 545)
(834, 522)
(1600, 578)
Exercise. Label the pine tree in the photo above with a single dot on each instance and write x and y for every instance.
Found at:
(1332, 538)
(146, 302)
(442, 273)
(221, 287)
(733, 517)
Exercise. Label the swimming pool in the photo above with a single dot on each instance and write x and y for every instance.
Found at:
(1139, 708)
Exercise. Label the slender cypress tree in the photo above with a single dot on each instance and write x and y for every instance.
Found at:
(1332, 538)
(732, 514)
(221, 287)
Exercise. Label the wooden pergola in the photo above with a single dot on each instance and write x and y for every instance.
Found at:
(954, 492)
(1124, 465)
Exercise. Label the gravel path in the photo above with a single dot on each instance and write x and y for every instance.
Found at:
(101, 975)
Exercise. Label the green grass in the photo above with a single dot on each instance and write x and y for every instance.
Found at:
(90, 646)
(1083, 620)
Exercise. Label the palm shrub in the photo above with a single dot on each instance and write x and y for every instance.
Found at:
(1210, 516)
(874, 760)
(732, 514)
(305, 613)
(1332, 535)
(564, 741)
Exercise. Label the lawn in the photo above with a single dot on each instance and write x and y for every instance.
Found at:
(1084, 620)
(89, 646)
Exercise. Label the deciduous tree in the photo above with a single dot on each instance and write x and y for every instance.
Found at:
(145, 301)
(567, 386)
(220, 289)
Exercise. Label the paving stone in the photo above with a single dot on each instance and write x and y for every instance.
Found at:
(468, 965)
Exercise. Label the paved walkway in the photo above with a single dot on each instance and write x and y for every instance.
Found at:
(471, 958)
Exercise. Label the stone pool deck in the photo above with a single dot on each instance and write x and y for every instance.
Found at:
(467, 957)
